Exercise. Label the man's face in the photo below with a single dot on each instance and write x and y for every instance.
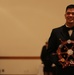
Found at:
(69, 16)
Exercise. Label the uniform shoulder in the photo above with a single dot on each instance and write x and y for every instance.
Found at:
(59, 28)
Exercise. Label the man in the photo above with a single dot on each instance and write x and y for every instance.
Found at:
(45, 60)
(56, 41)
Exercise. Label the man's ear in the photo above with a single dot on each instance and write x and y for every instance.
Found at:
(65, 15)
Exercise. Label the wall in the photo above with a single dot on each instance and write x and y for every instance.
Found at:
(25, 25)
(19, 67)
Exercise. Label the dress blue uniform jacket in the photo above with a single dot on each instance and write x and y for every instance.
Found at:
(54, 41)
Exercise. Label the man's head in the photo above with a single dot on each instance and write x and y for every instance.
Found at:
(69, 15)
(69, 7)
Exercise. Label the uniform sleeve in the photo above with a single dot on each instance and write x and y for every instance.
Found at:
(52, 46)
(52, 42)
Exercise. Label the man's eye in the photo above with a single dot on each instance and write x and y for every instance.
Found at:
(70, 13)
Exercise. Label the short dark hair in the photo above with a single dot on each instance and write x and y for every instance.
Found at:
(70, 6)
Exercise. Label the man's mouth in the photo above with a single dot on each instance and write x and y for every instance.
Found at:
(71, 19)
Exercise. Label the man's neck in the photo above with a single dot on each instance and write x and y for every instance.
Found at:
(69, 25)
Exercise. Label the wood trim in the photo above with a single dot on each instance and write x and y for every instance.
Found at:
(20, 57)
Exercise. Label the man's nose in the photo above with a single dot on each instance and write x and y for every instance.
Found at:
(71, 15)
